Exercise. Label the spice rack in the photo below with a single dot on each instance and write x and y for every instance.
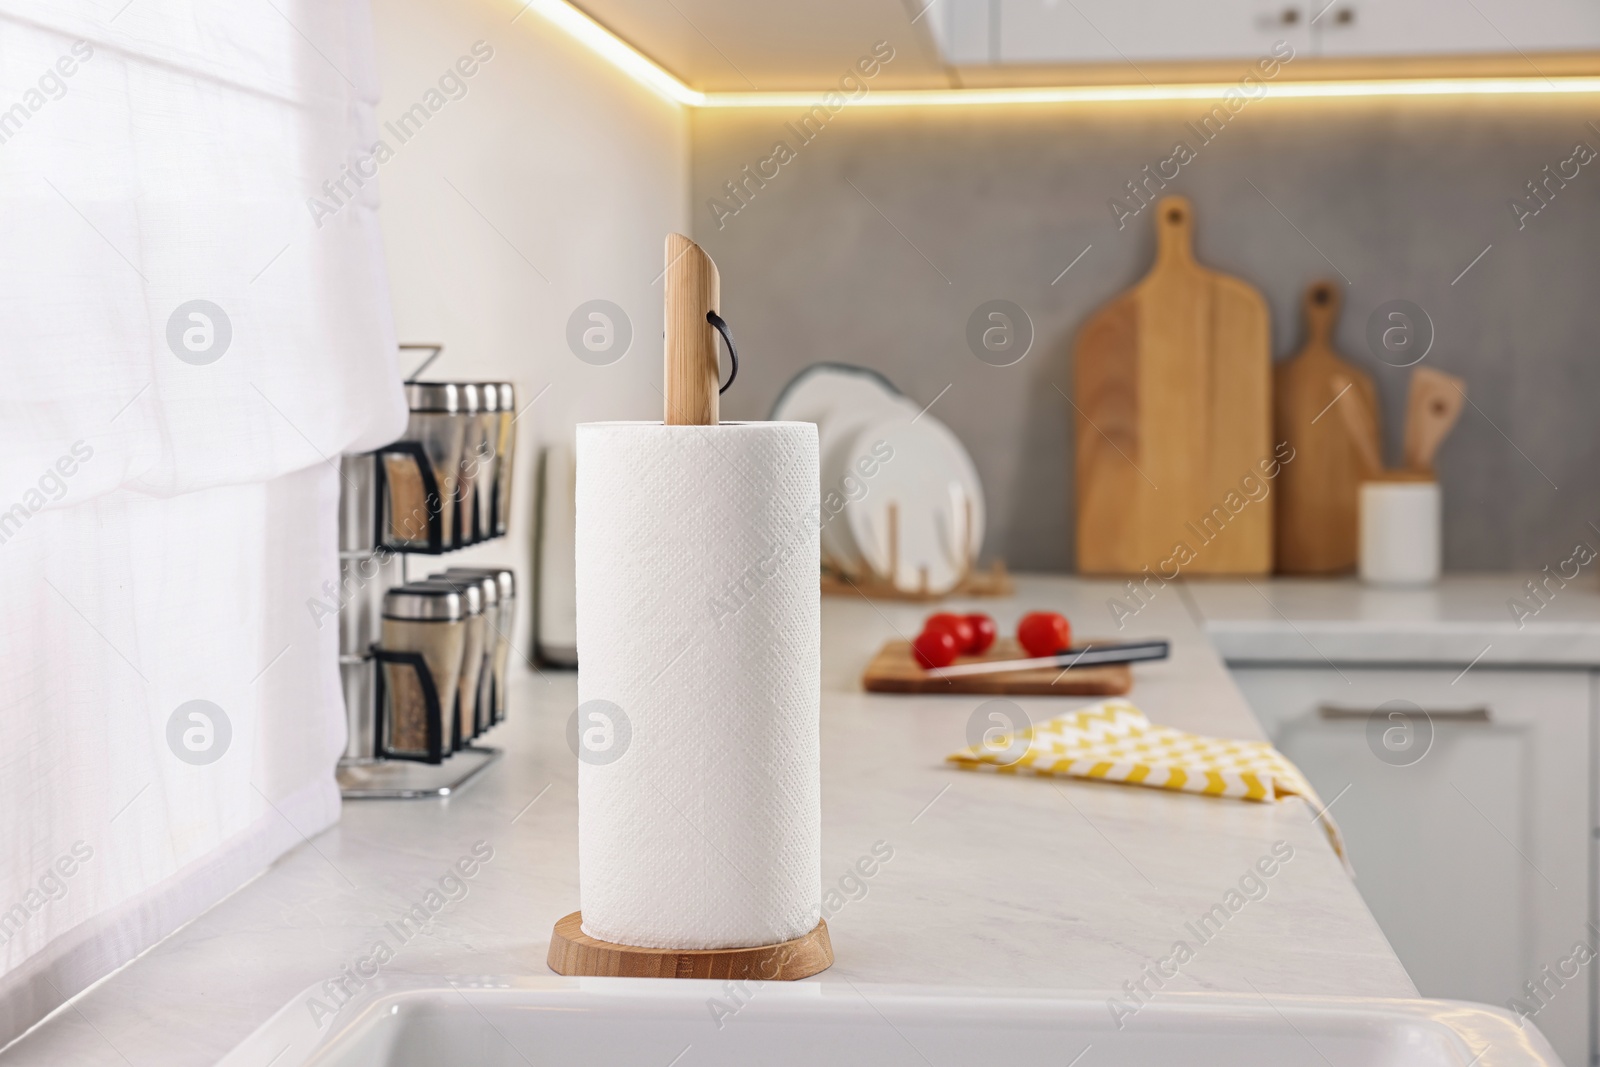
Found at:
(445, 485)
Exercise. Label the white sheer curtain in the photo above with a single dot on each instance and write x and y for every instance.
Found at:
(187, 348)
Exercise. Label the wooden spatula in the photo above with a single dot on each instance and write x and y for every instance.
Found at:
(693, 287)
(1432, 408)
(1316, 494)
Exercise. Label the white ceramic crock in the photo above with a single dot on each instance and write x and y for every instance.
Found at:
(1400, 532)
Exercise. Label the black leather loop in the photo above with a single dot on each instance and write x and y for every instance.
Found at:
(733, 353)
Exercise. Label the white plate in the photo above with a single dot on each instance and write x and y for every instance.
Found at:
(843, 487)
(839, 398)
(932, 483)
(824, 388)
(853, 408)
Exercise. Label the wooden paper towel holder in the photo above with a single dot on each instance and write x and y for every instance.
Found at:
(693, 292)
(573, 952)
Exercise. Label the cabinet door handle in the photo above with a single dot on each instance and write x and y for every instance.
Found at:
(1332, 711)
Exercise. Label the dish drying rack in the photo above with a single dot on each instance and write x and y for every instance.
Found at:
(840, 579)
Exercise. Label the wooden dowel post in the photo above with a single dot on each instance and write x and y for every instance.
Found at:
(693, 288)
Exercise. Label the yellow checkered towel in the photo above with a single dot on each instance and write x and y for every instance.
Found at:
(1113, 741)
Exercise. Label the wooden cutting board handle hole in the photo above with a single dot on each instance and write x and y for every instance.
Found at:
(1322, 310)
(1174, 230)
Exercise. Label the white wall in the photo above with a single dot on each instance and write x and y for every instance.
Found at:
(553, 181)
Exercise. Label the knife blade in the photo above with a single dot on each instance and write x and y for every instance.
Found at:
(1087, 656)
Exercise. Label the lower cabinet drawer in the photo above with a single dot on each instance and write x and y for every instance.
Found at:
(1465, 802)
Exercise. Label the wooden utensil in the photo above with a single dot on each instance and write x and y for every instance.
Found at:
(1173, 408)
(1361, 432)
(895, 670)
(693, 287)
(1317, 492)
(1432, 407)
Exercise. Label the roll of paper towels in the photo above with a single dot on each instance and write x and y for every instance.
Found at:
(699, 682)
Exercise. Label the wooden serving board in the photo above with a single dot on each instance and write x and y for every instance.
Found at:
(1173, 411)
(1317, 491)
(895, 670)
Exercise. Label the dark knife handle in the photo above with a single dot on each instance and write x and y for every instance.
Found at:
(1099, 655)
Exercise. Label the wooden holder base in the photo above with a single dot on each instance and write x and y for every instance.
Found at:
(995, 581)
(573, 952)
(839, 580)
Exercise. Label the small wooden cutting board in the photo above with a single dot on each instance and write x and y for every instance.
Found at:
(1173, 406)
(895, 670)
(1318, 489)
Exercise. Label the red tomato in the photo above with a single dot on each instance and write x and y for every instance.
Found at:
(1044, 633)
(983, 634)
(958, 625)
(935, 647)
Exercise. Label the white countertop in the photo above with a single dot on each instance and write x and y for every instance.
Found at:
(995, 881)
(1465, 616)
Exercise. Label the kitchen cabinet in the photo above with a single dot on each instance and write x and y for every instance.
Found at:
(1465, 802)
(1046, 32)
(1353, 28)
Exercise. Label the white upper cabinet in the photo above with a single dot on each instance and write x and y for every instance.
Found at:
(1069, 32)
(1454, 27)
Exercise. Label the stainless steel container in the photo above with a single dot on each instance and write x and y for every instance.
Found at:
(482, 454)
(461, 729)
(505, 618)
(428, 619)
(470, 467)
(436, 425)
(489, 586)
(505, 450)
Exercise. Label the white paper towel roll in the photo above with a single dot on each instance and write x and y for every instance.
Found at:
(699, 618)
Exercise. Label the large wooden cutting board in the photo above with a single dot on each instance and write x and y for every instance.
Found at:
(1317, 491)
(895, 670)
(1173, 414)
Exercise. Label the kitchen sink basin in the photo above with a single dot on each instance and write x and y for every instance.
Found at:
(597, 1022)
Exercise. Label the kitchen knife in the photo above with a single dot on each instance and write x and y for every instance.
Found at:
(1087, 656)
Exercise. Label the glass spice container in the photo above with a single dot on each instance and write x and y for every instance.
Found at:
(459, 728)
(470, 468)
(490, 588)
(499, 633)
(437, 427)
(428, 620)
(487, 455)
(505, 446)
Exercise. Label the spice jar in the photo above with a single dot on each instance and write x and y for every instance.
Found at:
(492, 623)
(469, 466)
(460, 727)
(426, 619)
(483, 454)
(505, 446)
(499, 634)
(410, 506)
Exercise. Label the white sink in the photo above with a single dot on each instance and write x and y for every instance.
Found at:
(597, 1022)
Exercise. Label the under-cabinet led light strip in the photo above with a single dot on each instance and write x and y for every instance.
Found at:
(643, 70)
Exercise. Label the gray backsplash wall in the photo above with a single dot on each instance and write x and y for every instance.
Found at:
(875, 243)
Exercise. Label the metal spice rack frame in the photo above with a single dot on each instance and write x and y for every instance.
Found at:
(369, 568)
